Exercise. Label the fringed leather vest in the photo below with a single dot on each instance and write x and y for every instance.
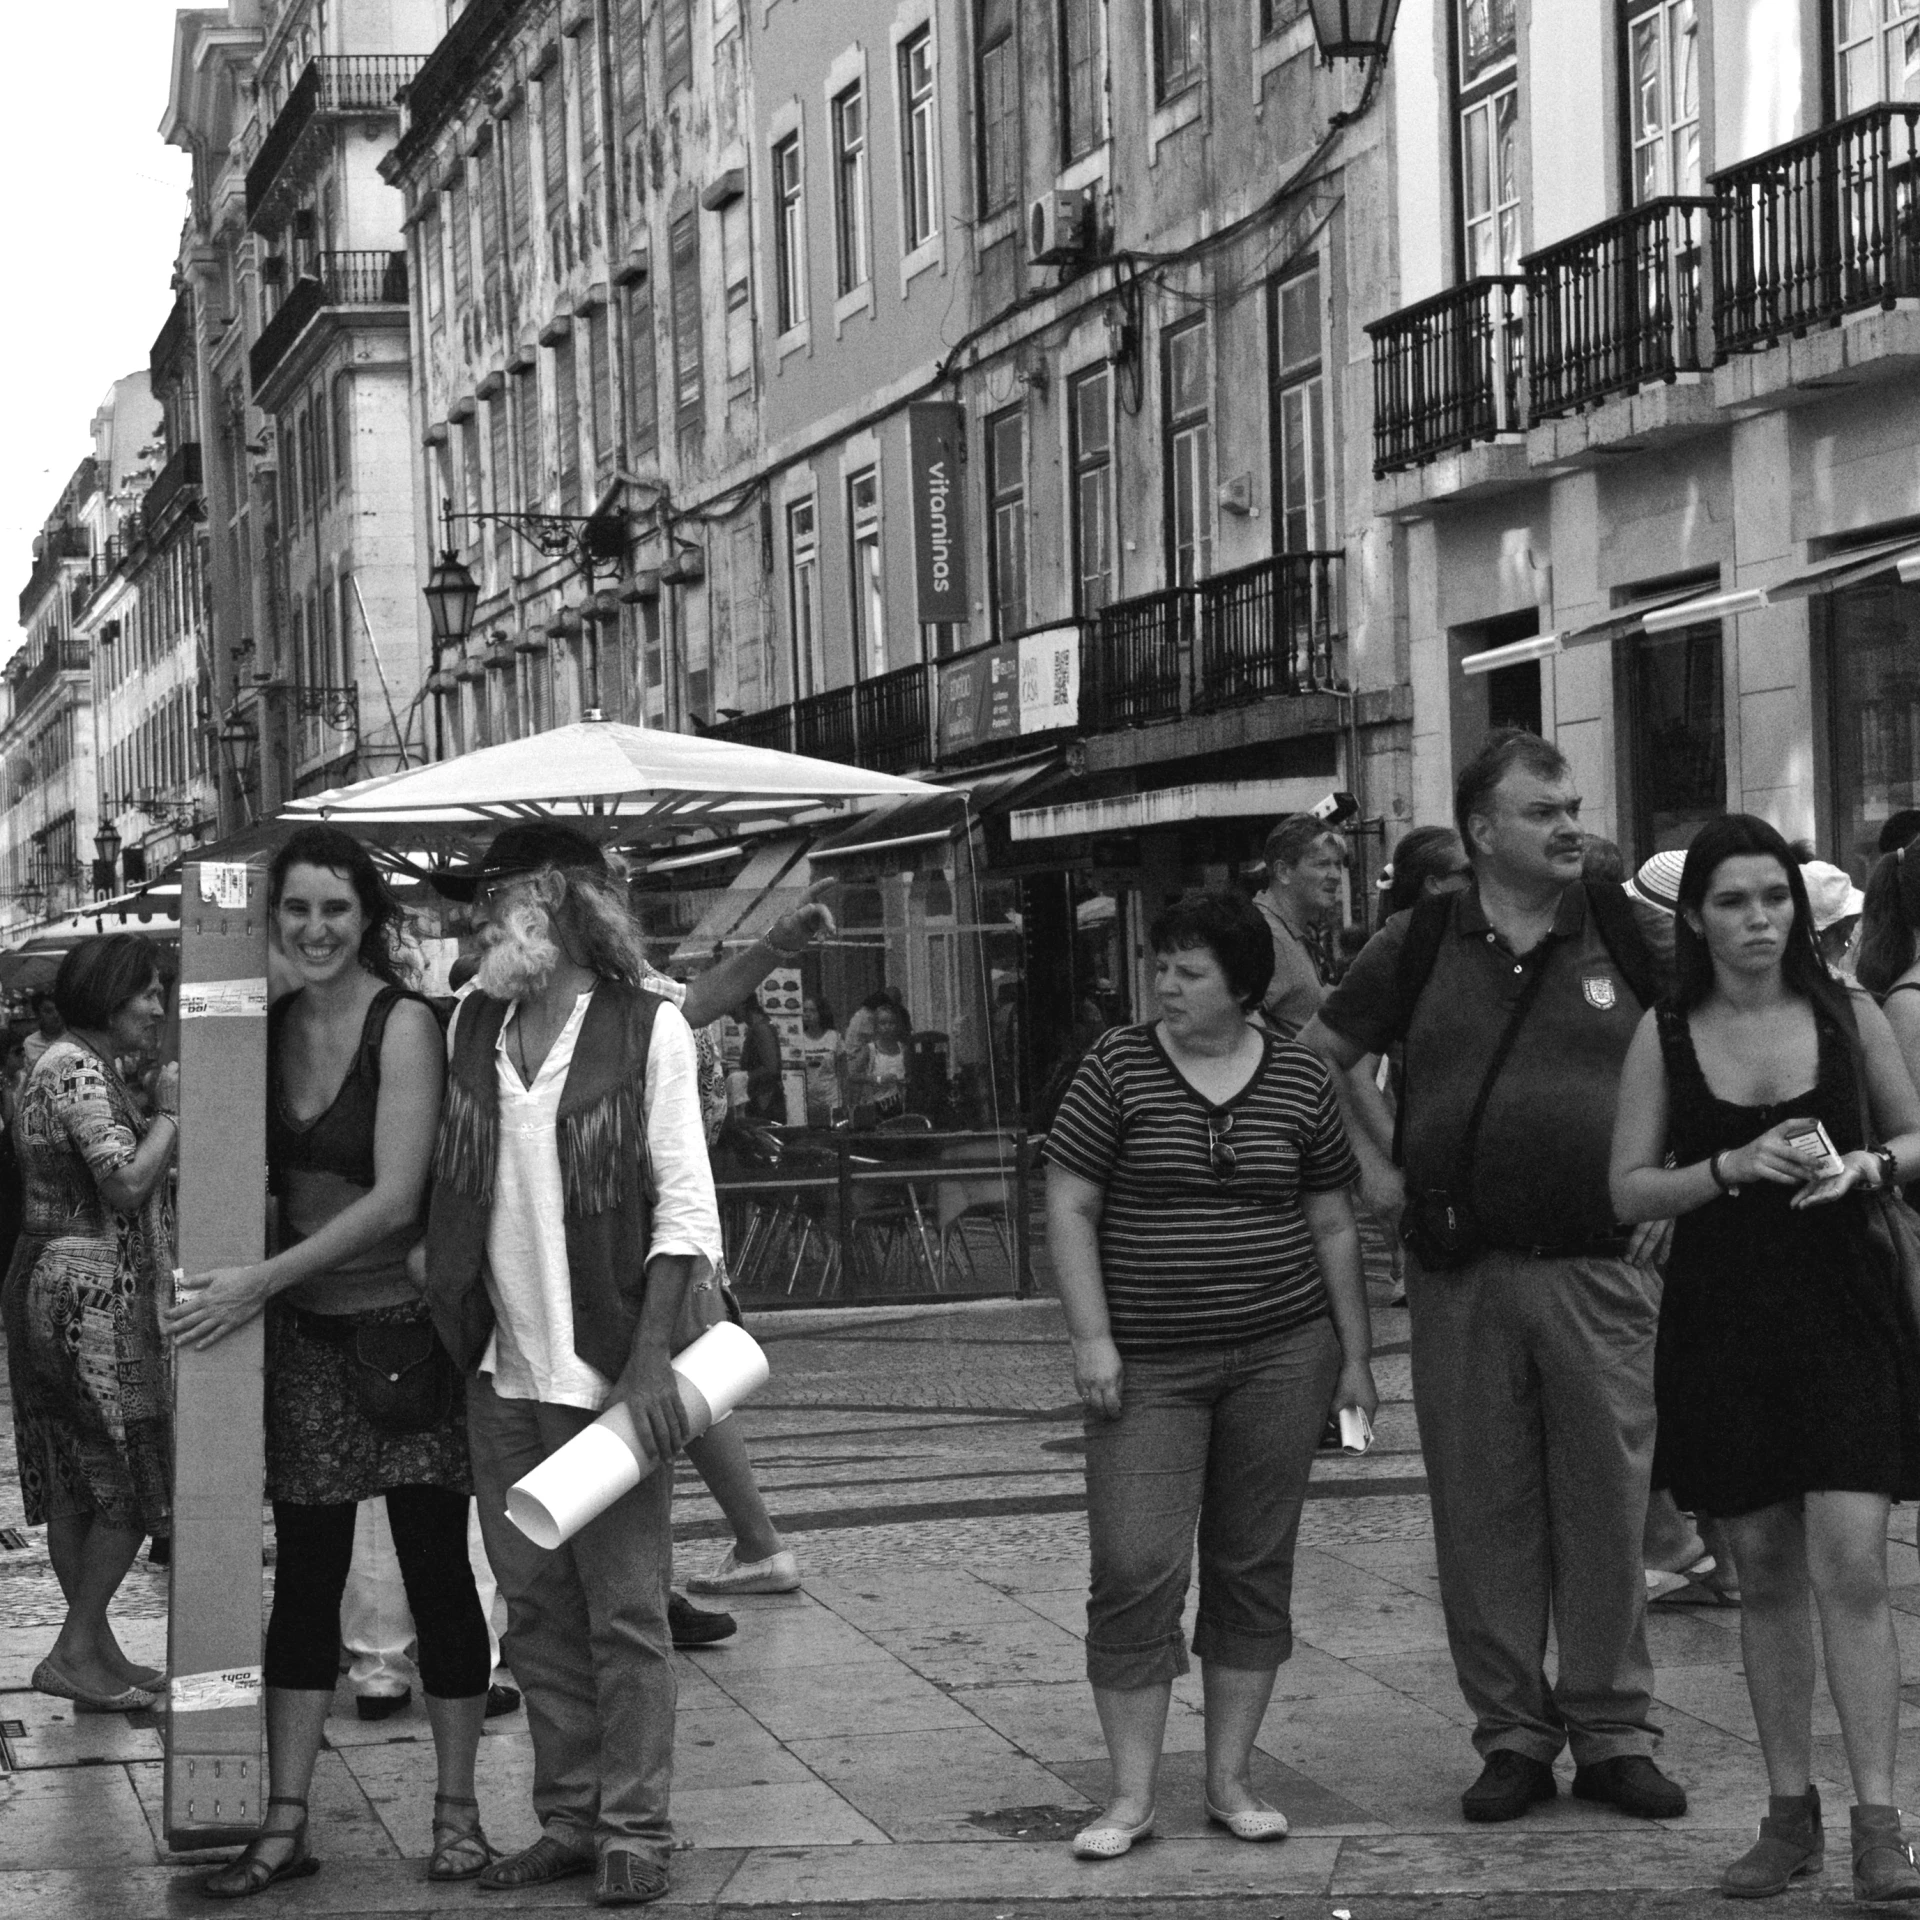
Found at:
(604, 1170)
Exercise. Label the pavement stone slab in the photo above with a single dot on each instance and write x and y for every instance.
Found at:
(1180, 1810)
(57, 1734)
(1530, 1856)
(800, 1813)
(52, 1818)
(1157, 1873)
(866, 1696)
(1057, 1721)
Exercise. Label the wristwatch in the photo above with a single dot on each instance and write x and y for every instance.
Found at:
(1720, 1180)
(1889, 1167)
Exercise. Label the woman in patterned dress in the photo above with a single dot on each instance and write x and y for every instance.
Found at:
(92, 1405)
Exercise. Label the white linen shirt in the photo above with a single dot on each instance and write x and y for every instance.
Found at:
(531, 1354)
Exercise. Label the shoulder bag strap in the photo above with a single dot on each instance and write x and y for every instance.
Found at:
(1469, 1139)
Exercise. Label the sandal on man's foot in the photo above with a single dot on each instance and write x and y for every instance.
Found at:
(547, 1859)
(251, 1873)
(628, 1879)
(460, 1849)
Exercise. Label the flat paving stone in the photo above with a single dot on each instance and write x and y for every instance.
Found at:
(1180, 1810)
(58, 1734)
(1529, 1856)
(53, 1818)
(1057, 1722)
(1159, 1871)
(867, 1696)
(790, 1814)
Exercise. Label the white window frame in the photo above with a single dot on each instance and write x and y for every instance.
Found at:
(917, 131)
(852, 186)
(866, 572)
(1664, 145)
(806, 638)
(1300, 396)
(789, 237)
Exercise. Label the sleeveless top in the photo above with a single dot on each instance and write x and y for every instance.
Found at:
(318, 1168)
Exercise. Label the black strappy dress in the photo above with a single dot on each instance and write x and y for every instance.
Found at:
(1785, 1363)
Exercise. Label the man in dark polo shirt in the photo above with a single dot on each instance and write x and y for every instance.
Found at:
(1533, 1361)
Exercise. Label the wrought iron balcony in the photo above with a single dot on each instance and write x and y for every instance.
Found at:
(891, 718)
(181, 472)
(1261, 632)
(770, 727)
(1268, 630)
(1448, 372)
(1617, 306)
(824, 726)
(367, 279)
(55, 658)
(1824, 225)
(1132, 657)
(68, 542)
(333, 86)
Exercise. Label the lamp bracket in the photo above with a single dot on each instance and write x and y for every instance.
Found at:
(596, 542)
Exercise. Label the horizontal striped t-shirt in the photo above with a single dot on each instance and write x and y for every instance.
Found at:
(1192, 1256)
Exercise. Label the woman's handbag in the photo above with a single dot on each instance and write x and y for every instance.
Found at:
(1892, 1225)
(401, 1375)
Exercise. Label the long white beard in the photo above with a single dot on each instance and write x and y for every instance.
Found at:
(519, 955)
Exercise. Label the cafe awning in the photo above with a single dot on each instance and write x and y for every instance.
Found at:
(1894, 559)
(931, 818)
(1171, 807)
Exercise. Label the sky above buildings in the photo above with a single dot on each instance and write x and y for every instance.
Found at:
(91, 203)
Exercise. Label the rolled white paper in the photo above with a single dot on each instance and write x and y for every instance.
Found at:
(601, 1462)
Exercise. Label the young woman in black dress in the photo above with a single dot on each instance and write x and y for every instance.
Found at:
(1787, 1374)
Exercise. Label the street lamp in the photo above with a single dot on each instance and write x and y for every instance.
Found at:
(1353, 29)
(32, 896)
(452, 595)
(106, 850)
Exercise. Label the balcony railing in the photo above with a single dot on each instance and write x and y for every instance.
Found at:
(181, 471)
(1822, 226)
(331, 84)
(1616, 307)
(891, 718)
(1267, 630)
(1447, 372)
(334, 280)
(68, 542)
(770, 727)
(824, 726)
(1132, 657)
(56, 657)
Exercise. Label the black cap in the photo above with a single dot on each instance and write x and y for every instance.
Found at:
(526, 847)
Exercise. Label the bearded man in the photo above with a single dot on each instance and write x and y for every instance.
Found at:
(571, 1249)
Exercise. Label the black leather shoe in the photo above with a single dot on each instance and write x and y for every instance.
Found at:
(1632, 1783)
(383, 1706)
(1509, 1784)
(502, 1700)
(697, 1626)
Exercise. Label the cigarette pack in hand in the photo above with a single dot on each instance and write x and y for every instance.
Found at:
(1811, 1141)
(1356, 1430)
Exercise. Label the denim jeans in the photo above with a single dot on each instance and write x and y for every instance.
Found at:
(586, 1635)
(1219, 1436)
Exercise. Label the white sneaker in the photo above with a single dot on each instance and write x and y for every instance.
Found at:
(778, 1573)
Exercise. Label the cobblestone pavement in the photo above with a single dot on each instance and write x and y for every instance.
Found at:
(912, 1734)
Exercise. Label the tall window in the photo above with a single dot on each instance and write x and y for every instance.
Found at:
(1876, 48)
(1663, 79)
(850, 189)
(460, 239)
(1189, 431)
(1083, 123)
(486, 187)
(500, 458)
(789, 236)
(736, 278)
(1179, 45)
(1090, 433)
(553, 160)
(803, 599)
(433, 261)
(917, 139)
(1489, 110)
(643, 393)
(999, 118)
(684, 245)
(526, 430)
(1299, 416)
(867, 584)
(516, 171)
(1007, 521)
(676, 34)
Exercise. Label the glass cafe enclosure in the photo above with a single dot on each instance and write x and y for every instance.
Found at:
(873, 1148)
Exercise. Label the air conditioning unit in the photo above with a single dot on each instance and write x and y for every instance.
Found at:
(1059, 228)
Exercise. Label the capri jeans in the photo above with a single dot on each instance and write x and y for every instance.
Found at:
(1219, 1436)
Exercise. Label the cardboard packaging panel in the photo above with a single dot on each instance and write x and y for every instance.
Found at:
(215, 1780)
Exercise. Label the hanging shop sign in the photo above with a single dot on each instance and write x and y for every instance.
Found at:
(1028, 685)
(939, 516)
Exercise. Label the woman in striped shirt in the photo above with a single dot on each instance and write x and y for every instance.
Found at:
(1198, 1219)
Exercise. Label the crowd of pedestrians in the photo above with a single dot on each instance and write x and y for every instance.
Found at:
(1636, 1305)
(1634, 1140)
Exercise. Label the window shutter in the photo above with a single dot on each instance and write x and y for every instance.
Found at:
(526, 401)
(566, 416)
(487, 185)
(676, 32)
(462, 243)
(686, 320)
(600, 383)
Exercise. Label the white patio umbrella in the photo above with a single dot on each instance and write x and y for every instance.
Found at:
(637, 780)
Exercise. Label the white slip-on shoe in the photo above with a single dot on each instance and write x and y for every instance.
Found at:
(1251, 1823)
(778, 1573)
(1107, 1839)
